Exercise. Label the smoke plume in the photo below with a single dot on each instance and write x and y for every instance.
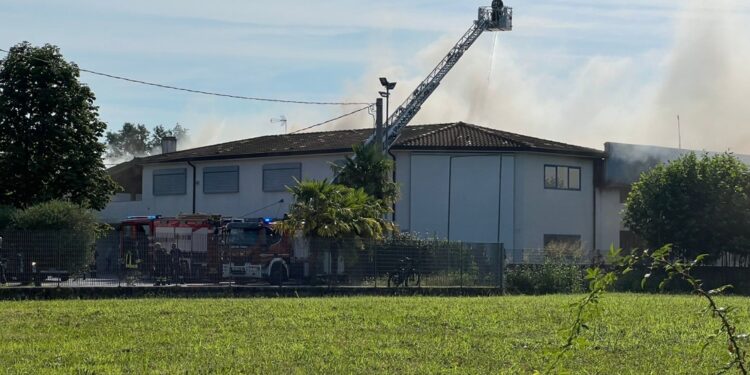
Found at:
(702, 76)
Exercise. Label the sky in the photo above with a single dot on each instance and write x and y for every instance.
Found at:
(579, 71)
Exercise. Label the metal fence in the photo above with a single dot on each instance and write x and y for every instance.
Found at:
(64, 259)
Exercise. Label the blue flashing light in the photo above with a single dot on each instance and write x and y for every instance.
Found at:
(150, 217)
(266, 220)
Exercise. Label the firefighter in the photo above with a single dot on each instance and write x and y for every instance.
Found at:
(497, 9)
(161, 260)
(174, 254)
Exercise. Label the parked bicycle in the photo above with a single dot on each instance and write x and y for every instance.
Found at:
(406, 274)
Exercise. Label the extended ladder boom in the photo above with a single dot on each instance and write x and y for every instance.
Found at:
(489, 19)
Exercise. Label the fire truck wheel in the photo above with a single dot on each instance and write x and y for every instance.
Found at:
(277, 276)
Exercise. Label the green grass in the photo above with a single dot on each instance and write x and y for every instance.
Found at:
(636, 334)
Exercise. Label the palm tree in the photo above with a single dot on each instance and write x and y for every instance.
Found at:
(370, 170)
(325, 210)
(336, 214)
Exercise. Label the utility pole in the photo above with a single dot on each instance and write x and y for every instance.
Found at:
(379, 122)
(679, 133)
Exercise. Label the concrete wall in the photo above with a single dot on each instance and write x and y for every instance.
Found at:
(541, 211)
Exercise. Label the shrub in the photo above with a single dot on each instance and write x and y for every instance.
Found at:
(55, 234)
(6, 215)
(544, 278)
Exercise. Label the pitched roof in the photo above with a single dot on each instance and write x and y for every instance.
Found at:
(456, 136)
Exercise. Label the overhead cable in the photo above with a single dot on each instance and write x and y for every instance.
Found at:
(331, 120)
(202, 92)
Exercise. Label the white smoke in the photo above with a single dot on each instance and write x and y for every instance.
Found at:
(703, 77)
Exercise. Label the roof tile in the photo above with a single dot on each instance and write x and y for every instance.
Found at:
(448, 136)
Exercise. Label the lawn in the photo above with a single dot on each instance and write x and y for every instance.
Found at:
(636, 334)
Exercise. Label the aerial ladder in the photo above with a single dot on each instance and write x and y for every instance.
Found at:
(490, 18)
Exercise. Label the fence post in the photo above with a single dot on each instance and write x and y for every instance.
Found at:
(461, 265)
(501, 267)
(375, 262)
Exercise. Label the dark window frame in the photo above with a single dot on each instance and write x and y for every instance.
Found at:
(218, 170)
(557, 168)
(280, 167)
(168, 172)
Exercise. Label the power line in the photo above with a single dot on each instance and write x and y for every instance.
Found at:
(259, 99)
(331, 120)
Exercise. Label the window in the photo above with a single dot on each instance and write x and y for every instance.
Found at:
(562, 178)
(170, 181)
(562, 240)
(217, 180)
(276, 177)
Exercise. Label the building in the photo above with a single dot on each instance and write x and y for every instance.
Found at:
(458, 181)
(623, 165)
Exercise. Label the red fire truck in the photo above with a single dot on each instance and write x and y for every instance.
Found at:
(209, 252)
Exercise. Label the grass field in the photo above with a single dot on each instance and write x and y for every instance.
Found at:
(636, 334)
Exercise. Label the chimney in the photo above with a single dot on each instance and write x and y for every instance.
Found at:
(379, 123)
(168, 144)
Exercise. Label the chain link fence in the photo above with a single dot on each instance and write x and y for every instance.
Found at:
(62, 259)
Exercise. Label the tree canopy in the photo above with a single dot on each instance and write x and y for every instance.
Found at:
(700, 205)
(369, 169)
(49, 132)
(325, 210)
(136, 140)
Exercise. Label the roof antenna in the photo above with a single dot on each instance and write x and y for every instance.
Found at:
(679, 134)
(282, 120)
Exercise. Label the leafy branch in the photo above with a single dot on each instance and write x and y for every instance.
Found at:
(675, 268)
(660, 259)
(599, 282)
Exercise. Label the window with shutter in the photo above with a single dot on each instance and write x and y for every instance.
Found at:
(219, 180)
(276, 177)
(170, 181)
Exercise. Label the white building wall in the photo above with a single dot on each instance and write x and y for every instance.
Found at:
(608, 218)
(168, 205)
(429, 195)
(403, 179)
(250, 197)
(541, 211)
(456, 196)
(507, 201)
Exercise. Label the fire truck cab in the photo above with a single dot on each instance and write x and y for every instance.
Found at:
(254, 251)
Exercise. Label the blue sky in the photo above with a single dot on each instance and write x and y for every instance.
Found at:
(580, 71)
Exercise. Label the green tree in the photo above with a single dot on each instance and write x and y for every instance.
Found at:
(370, 170)
(49, 132)
(132, 139)
(136, 140)
(160, 132)
(700, 205)
(6, 216)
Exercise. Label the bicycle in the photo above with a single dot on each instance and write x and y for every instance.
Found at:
(406, 274)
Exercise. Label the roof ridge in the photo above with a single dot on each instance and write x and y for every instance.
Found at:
(443, 126)
(524, 139)
(495, 132)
